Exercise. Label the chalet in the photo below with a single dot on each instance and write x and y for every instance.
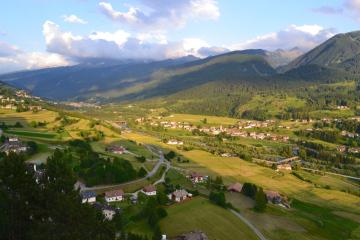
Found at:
(108, 211)
(341, 148)
(195, 235)
(116, 149)
(354, 150)
(175, 142)
(285, 166)
(149, 190)
(179, 195)
(88, 197)
(114, 196)
(273, 197)
(236, 187)
(196, 177)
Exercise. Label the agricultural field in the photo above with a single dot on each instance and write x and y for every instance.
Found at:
(202, 215)
(198, 119)
(234, 169)
(302, 221)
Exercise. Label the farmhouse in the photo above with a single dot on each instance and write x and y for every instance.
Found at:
(341, 148)
(88, 197)
(108, 211)
(116, 149)
(149, 190)
(285, 166)
(236, 187)
(174, 142)
(354, 150)
(179, 195)
(273, 197)
(196, 177)
(114, 196)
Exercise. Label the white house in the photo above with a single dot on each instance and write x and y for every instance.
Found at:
(149, 190)
(114, 196)
(88, 197)
(175, 142)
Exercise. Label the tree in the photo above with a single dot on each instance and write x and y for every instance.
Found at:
(249, 190)
(218, 198)
(51, 209)
(142, 172)
(141, 159)
(170, 155)
(260, 200)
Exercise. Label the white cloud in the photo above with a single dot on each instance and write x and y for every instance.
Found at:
(162, 14)
(118, 45)
(7, 50)
(349, 8)
(304, 37)
(13, 58)
(73, 19)
(352, 8)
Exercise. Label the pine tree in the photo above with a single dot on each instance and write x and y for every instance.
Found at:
(260, 200)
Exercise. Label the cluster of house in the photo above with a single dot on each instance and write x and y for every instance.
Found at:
(110, 196)
(19, 102)
(24, 94)
(197, 177)
(231, 131)
(81, 104)
(272, 196)
(116, 149)
(349, 134)
(342, 107)
(13, 144)
(348, 149)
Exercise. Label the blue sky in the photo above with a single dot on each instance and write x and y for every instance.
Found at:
(41, 33)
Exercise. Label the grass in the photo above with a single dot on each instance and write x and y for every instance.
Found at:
(303, 221)
(234, 169)
(273, 104)
(200, 214)
(32, 134)
(197, 119)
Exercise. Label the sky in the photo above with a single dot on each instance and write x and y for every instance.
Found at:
(46, 33)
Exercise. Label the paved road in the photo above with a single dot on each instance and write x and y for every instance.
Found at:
(150, 174)
(250, 225)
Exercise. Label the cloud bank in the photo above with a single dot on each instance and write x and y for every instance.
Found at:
(117, 45)
(304, 37)
(162, 14)
(14, 59)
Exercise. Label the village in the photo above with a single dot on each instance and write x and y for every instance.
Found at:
(242, 129)
(22, 101)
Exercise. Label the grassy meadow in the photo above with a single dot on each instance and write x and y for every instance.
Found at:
(200, 214)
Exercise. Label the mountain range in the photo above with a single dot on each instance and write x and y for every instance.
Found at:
(107, 80)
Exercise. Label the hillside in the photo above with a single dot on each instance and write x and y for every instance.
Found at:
(64, 83)
(104, 79)
(333, 53)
